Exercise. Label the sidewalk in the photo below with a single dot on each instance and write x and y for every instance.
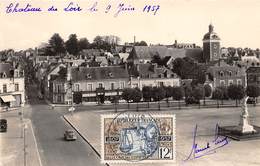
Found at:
(13, 144)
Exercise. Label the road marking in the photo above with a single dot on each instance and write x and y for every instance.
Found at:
(38, 154)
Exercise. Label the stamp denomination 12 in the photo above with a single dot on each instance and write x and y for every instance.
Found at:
(138, 137)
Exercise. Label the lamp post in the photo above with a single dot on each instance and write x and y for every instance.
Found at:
(24, 143)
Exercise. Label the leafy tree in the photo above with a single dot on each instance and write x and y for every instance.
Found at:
(83, 43)
(168, 93)
(236, 92)
(218, 94)
(198, 93)
(127, 95)
(136, 96)
(77, 97)
(72, 44)
(147, 93)
(141, 43)
(158, 94)
(56, 45)
(208, 91)
(177, 94)
(253, 91)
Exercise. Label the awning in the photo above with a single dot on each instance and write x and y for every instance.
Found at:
(7, 98)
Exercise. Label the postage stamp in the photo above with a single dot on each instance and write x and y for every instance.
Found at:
(138, 137)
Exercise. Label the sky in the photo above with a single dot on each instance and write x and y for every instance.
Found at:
(237, 22)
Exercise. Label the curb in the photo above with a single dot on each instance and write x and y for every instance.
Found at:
(82, 137)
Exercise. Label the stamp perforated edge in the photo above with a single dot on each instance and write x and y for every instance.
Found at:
(173, 160)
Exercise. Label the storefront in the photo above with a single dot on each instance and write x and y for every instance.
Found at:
(8, 100)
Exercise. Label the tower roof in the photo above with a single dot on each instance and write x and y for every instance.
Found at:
(211, 35)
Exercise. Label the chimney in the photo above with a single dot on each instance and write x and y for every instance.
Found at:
(69, 72)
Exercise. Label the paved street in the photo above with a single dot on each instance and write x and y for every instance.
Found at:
(49, 128)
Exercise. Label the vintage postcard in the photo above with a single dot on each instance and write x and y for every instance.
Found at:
(129, 82)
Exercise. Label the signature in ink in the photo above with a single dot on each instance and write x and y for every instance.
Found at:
(210, 148)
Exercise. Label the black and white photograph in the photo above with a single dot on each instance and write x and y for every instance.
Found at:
(129, 83)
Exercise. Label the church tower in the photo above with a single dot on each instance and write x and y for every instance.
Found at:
(211, 46)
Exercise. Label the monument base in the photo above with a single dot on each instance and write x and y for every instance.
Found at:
(237, 133)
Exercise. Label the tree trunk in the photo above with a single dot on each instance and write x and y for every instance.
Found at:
(127, 104)
(159, 107)
(148, 104)
(179, 104)
(236, 102)
(255, 101)
(137, 106)
(167, 101)
(217, 103)
(204, 102)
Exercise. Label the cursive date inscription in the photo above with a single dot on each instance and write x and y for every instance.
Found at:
(198, 151)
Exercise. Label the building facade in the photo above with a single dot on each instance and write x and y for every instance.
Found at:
(253, 76)
(12, 87)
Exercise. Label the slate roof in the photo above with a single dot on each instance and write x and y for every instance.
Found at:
(149, 71)
(253, 70)
(5, 68)
(147, 52)
(99, 73)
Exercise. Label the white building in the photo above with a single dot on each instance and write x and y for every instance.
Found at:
(12, 88)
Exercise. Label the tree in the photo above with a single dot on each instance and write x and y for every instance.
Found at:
(147, 94)
(56, 44)
(177, 94)
(72, 44)
(141, 43)
(77, 97)
(127, 95)
(208, 91)
(83, 43)
(198, 93)
(168, 93)
(253, 91)
(136, 96)
(236, 92)
(158, 94)
(218, 94)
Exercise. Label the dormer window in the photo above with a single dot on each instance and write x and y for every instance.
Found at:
(88, 76)
(4, 75)
(230, 73)
(110, 74)
(221, 73)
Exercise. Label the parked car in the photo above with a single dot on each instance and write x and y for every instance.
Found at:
(3, 125)
(70, 135)
(251, 100)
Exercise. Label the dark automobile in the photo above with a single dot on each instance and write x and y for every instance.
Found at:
(3, 125)
(70, 135)
(191, 100)
(251, 100)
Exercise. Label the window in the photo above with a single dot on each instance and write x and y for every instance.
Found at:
(59, 99)
(76, 86)
(16, 87)
(90, 87)
(100, 85)
(121, 85)
(230, 73)
(160, 84)
(239, 82)
(221, 73)
(230, 82)
(4, 88)
(222, 82)
(58, 88)
(112, 85)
